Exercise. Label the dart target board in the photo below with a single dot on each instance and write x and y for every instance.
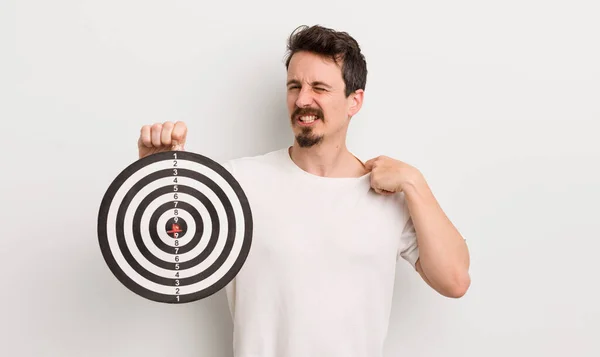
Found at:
(175, 227)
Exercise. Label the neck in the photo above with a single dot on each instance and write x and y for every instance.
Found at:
(327, 160)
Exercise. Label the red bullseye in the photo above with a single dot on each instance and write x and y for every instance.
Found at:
(176, 227)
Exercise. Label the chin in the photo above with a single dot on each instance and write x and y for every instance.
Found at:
(307, 140)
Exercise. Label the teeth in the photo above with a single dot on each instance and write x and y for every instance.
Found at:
(308, 119)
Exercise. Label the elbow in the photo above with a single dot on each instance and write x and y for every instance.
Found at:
(459, 287)
(453, 284)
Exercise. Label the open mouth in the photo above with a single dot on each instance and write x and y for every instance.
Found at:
(307, 119)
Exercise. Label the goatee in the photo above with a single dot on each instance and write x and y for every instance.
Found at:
(307, 139)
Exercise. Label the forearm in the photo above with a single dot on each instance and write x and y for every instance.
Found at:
(443, 253)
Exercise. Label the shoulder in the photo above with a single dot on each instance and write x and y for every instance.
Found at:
(264, 167)
(392, 210)
(258, 174)
(262, 161)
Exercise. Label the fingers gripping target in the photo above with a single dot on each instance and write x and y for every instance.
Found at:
(175, 227)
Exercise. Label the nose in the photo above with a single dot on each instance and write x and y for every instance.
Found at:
(305, 98)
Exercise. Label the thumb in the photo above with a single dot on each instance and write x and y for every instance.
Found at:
(176, 145)
(178, 136)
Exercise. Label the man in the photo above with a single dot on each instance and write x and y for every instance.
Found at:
(328, 228)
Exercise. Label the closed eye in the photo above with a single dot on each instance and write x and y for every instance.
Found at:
(317, 86)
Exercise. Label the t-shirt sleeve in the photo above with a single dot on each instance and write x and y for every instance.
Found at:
(408, 248)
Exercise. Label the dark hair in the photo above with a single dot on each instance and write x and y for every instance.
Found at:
(337, 45)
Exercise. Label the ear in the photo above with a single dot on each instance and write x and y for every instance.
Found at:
(355, 101)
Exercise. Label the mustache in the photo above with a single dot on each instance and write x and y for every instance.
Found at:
(307, 111)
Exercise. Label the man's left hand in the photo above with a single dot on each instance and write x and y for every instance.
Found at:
(389, 176)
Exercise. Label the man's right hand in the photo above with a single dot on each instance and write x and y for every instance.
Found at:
(161, 137)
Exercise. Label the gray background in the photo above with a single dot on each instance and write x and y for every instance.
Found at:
(497, 103)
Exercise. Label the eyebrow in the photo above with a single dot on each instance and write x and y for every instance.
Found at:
(315, 83)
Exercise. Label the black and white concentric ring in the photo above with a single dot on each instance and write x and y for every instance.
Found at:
(152, 195)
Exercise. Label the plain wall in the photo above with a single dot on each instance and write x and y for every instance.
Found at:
(497, 103)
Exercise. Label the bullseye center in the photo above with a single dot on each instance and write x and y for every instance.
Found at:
(176, 227)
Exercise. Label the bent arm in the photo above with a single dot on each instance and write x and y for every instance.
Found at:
(443, 254)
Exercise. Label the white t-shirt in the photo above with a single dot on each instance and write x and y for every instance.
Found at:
(318, 281)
